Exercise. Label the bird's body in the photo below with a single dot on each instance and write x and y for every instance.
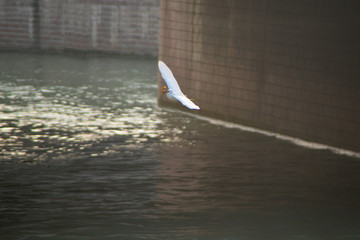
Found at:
(174, 92)
(170, 95)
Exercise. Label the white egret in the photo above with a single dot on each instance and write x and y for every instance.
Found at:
(174, 92)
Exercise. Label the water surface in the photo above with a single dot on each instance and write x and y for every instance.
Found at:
(87, 154)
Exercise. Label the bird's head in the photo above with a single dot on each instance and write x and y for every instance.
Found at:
(163, 90)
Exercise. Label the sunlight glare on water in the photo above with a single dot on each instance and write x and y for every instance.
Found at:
(98, 99)
(85, 153)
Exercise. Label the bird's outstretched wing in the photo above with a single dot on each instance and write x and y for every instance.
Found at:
(186, 101)
(169, 77)
(174, 86)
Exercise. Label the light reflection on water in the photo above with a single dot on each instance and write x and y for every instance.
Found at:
(98, 99)
(86, 154)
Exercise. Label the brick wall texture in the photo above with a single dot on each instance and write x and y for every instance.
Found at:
(288, 66)
(119, 26)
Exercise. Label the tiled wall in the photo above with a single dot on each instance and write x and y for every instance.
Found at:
(119, 26)
(287, 66)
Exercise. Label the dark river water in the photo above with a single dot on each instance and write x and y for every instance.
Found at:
(85, 153)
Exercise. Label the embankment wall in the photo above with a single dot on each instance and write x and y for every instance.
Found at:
(112, 26)
(291, 67)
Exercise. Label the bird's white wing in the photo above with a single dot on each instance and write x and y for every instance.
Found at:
(168, 77)
(185, 101)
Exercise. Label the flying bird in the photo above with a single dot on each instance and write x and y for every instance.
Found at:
(173, 91)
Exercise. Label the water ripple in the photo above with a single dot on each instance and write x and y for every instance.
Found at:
(86, 154)
(51, 113)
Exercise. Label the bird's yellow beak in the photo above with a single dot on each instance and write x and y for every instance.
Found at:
(163, 90)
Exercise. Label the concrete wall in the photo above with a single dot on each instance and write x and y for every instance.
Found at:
(287, 66)
(119, 26)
